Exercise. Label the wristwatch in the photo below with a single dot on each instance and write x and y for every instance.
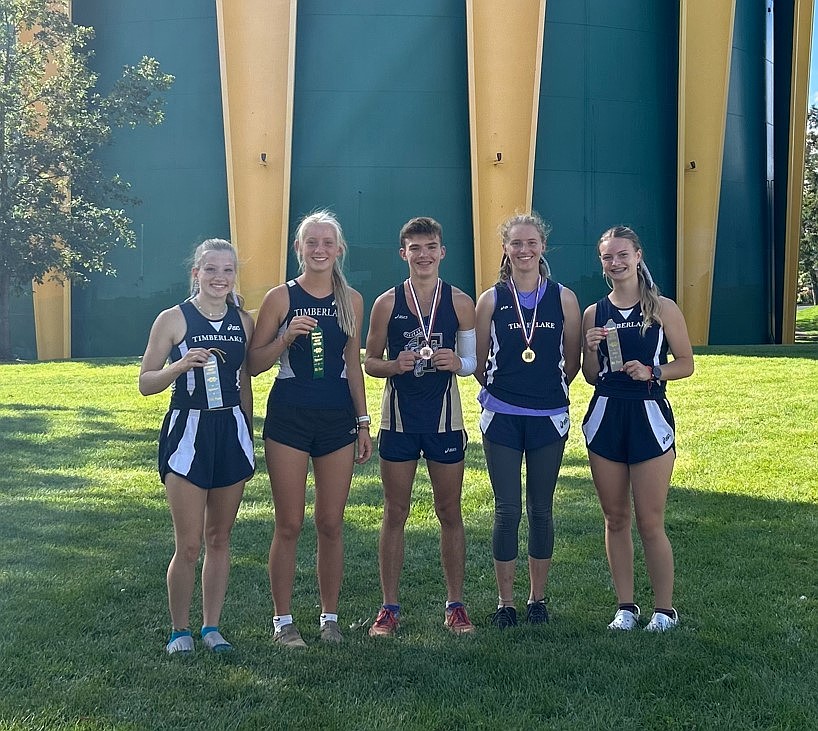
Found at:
(656, 373)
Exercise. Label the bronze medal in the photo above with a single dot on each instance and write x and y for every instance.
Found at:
(426, 351)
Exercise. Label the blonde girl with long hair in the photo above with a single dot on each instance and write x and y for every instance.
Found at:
(316, 411)
(206, 445)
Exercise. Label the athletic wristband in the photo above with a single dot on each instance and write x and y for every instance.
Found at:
(364, 420)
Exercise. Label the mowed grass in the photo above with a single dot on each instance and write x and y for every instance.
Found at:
(806, 322)
(85, 538)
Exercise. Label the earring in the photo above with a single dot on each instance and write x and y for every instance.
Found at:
(608, 281)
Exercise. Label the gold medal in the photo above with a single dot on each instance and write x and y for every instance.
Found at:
(528, 355)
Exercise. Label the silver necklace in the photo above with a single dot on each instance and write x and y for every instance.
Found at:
(212, 315)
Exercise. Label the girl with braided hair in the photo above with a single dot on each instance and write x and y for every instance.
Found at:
(629, 426)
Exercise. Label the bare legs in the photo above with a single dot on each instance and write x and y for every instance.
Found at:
(447, 483)
(649, 481)
(288, 476)
(200, 515)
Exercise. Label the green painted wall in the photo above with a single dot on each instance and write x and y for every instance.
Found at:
(742, 278)
(381, 134)
(381, 131)
(606, 139)
(177, 169)
(21, 325)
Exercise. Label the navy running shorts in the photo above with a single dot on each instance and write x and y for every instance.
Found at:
(629, 430)
(315, 431)
(445, 447)
(209, 448)
(523, 433)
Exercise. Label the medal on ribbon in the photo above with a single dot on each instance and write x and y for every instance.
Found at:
(426, 351)
(213, 386)
(317, 347)
(614, 348)
(528, 355)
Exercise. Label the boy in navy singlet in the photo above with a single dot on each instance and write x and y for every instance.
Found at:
(421, 333)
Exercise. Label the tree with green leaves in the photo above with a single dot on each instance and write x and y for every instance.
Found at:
(60, 214)
(808, 250)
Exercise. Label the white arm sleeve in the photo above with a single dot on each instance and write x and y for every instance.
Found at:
(465, 345)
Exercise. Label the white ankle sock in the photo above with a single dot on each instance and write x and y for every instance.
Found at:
(282, 621)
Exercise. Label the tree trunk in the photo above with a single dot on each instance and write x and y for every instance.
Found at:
(5, 329)
(813, 276)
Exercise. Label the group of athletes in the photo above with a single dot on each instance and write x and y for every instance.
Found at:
(523, 343)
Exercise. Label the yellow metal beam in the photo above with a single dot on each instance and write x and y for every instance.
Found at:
(799, 102)
(705, 49)
(505, 41)
(52, 312)
(257, 59)
(52, 319)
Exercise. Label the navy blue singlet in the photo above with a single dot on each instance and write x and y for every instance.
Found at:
(537, 385)
(228, 341)
(426, 400)
(295, 384)
(650, 349)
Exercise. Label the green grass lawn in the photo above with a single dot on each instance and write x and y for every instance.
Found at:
(85, 537)
(806, 321)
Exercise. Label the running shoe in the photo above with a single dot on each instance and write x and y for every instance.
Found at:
(504, 617)
(386, 624)
(214, 642)
(624, 619)
(331, 633)
(661, 622)
(289, 636)
(183, 645)
(536, 612)
(457, 621)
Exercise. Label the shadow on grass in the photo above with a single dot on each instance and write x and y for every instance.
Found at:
(81, 568)
(31, 448)
(83, 607)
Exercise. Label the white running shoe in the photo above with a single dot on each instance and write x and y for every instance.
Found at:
(625, 619)
(214, 642)
(661, 622)
(183, 645)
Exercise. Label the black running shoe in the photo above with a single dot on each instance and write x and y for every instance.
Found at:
(536, 613)
(504, 617)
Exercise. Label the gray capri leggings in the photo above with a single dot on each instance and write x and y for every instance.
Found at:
(505, 472)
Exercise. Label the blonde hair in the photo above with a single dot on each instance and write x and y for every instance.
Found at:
(648, 291)
(527, 219)
(208, 245)
(340, 288)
